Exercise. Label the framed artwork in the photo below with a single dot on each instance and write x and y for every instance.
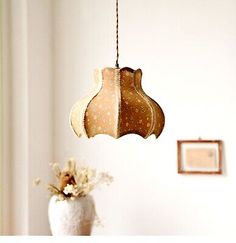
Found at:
(199, 156)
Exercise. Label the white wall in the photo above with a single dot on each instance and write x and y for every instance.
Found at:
(186, 49)
(27, 113)
(40, 109)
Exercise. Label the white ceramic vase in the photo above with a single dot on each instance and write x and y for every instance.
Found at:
(71, 217)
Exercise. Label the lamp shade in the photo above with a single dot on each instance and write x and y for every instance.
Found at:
(117, 106)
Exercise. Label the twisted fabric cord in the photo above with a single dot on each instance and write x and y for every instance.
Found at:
(117, 35)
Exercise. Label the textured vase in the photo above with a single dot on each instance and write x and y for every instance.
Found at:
(71, 217)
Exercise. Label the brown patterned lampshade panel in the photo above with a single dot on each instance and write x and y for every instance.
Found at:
(117, 106)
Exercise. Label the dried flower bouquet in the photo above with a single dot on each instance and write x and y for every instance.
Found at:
(75, 181)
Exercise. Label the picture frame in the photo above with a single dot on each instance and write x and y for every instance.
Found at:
(199, 156)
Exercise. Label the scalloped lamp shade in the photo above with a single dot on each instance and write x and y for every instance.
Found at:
(117, 106)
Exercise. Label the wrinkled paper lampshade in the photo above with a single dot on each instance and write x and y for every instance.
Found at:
(117, 106)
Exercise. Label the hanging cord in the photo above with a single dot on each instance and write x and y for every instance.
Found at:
(117, 35)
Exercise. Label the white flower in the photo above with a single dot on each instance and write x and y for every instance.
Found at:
(68, 189)
(71, 189)
(75, 191)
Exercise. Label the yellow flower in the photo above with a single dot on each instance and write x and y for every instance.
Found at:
(36, 181)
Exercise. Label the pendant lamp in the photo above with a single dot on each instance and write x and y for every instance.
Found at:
(118, 105)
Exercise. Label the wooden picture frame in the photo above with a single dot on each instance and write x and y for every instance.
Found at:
(199, 156)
